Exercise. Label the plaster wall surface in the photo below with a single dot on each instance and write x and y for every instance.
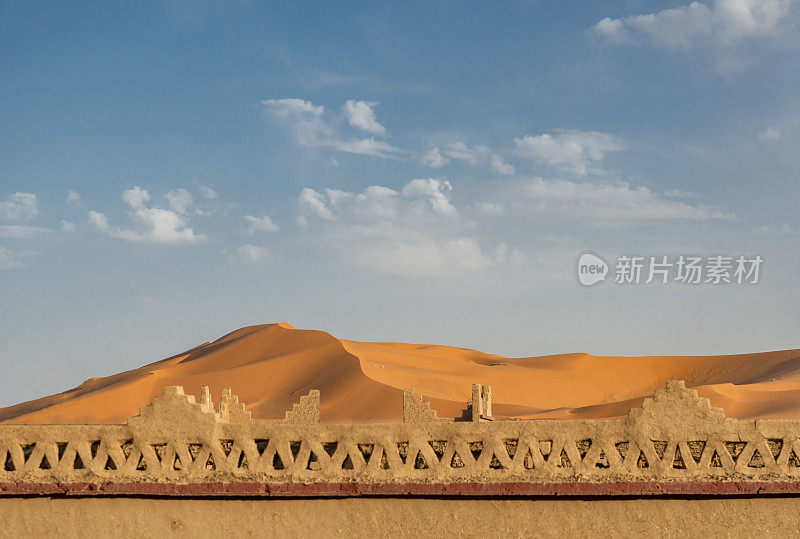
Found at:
(182, 517)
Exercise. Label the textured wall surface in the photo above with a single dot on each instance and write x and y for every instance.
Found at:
(114, 517)
(675, 437)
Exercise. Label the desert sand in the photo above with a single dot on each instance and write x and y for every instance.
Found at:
(270, 366)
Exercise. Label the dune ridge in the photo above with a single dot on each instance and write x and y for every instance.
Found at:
(270, 366)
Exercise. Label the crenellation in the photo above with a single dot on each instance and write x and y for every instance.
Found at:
(674, 436)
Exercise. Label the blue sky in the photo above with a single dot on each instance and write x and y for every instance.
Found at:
(422, 172)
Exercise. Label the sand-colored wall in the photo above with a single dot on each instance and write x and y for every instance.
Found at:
(107, 517)
(675, 436)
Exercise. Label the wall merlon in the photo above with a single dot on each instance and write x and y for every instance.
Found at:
(675, 436)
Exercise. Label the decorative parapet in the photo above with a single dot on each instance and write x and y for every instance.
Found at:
(306, 411)
(230, 409)
(674, 437)
(415, 410)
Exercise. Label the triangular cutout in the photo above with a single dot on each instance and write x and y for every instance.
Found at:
(583, 447)
(227, 446)
(110, 464)
(330, 448)
(495, 463)
(160, 451)
(456, 461)
(438, 447)
(176, 463)
(402, 451)
(347, 464)
(775, 445)
(756, 461)
(127, 447)
(384, 461)
(9, 464)
(677, 461)
(210, 463)
(62, 447)
(277, 462)
(94, 447)
(45, 464)
(660, 447)
(735, 449)
(419, 462)
(78, 464)
(141, 465)
(476, 448)
(261, 445)
(243, 461)
(366, 450)
(27, 451)
(602, 461)
(527, 462)
(565, 462)
(642, 462)
(716, 462)
(295, 449)
(194, 451)
(696, 449)
(511, 447)
(794, 461)
(622, 449)
(313, 462)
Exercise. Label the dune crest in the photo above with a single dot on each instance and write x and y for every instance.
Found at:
(270, 366)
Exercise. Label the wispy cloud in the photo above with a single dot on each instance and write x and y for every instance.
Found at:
(440, 156)
(724, 23)
(310, 128)
(360, 114)
(22, 231)
(156, 225)
(573, 151)
(259, 224)
(8, 260)
(19, 207)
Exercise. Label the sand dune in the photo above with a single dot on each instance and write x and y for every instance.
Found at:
(271, 366)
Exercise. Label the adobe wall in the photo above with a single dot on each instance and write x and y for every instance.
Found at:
(107, 517)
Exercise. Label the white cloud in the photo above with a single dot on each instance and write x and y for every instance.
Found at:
(498, 165)
(8, 260)
(156, 225)
(422, 256)
(617, 203)
(360, 114)
(180, 200)
(313, 201)
(439, 157)
(260, 224)
(98, 220)
(253, 253)
(136, 197)
(311, 129)
(573, 151)
(21, 231)
(770, 133)
(725, 23)
(367, 146)
(67, 227)
(19, 206)
(73, 198)
(208, 193)
(435, 191)
(435, 159)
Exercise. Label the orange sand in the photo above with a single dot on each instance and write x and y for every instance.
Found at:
(271, 366)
